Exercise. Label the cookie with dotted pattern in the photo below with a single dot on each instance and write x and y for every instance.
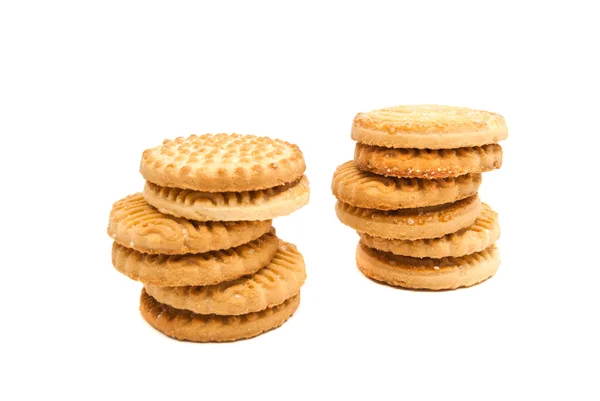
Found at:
(372, 191)
(428, 127)
(223, 163)
(416, 223)
(475, 238)
(135, 224)
(269, 286)
(263, 204)
(190, 326)
(428, 273)
(196, 268)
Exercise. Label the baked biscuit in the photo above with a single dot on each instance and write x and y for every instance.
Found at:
(427, 163)
(186, 325)
(417, 223)
(223, 163)
(427, 273)
(264, 204)
(196, 268)
(135, 224)
(372, 191)
(475, 238)
(428, 127)
(269, 286)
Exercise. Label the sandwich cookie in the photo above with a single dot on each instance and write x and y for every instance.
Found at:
(411, 224)
(475, 238)
(372, 191)
(135, 224)
(428, 273)
(190, 326)
(196, 268)
(279, 280)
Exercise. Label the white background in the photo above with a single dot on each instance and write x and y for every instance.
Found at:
(85, 87)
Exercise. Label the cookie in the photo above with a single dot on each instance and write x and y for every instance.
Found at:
(196, 268)
(428, 127)
(223, 163)
(427, 273)
(186, 325)
(475, 238)
(372, 191)
(135, 224)
(264, 204)
(427, 163)
(417, 223)
(269, 286)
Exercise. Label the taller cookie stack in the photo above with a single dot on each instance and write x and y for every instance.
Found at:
(411, 193)
(200, 236)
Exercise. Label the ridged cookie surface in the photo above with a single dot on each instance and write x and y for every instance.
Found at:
(428, 273)
(475, 238)
(367, 190)
(222, 163)
(186, 325)
(417, 223)
(264, 204)
(196, 268)
(135, 224)
(269, 286)
(427, 163)
(428, 127)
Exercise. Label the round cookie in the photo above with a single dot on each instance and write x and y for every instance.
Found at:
(428, 127)
(186, 325)
(417, 223)
(427, 163)
(269, 286)
(475, 238)
(135, 224)
(223, 163)
(372, 191)
(196, 268)
(263, 204)
(427, 273)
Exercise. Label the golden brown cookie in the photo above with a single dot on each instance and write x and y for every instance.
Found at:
(135, 224)
(417, 223)
(475, 238)
(223, 163)
(428, 273)
(269, 286)
(427, 163)
(428, 127)
(372, 191)
(196, 268)
(186, 325)
(264, 204)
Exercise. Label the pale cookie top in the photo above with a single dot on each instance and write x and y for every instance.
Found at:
(223, 163)
(428, 127)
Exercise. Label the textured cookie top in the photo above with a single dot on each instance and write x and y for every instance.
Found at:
(373, 191)
(135, 224)
(428, 126)
(269, 286)
(222, 162)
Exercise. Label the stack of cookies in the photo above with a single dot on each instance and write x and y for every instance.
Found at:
(200, 238)
(411, 194)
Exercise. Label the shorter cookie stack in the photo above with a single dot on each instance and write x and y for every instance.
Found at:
(200, 237)
(411, 194)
